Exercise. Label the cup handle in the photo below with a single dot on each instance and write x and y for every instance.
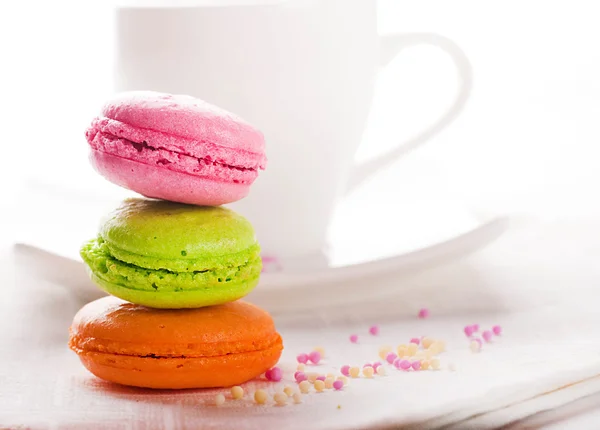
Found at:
(390, 46)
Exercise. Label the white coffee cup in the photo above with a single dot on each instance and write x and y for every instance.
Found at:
(303, 72)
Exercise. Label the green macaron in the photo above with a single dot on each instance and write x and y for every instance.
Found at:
(168, 255)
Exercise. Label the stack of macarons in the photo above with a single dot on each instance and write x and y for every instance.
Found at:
(175, 263)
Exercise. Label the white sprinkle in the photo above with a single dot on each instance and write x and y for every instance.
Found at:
(219, 399)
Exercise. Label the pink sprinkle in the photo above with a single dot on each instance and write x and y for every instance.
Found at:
(275, 374)
(424, 313)
(354, 338)
(404, 364)
(315, 357)
(487, 335)
(270, 264)
(321, 378)
(416, 365)
(468, 330)
(497, 330)
(390, 357)
(475, 328)
(268, 259)
(376, 365)
(302, 358)
(415, 340)
(268, 375)
(338, 385)
(397, 362)
(345, 370)
(300, 376)
(374, 330)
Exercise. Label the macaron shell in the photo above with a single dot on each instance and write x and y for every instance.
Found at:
(158, 182)
(184, 116)
(181, 299)
(115, 326)
(177, 373)
(168, 230)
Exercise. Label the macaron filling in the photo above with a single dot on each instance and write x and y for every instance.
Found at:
(197, 158)
(162, 275)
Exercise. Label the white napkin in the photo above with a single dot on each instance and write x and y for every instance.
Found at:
(543, 349)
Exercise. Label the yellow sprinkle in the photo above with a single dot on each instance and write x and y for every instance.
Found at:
(354, 372)
(301, 366)
(304, 387)
(381, 370)
(339, 406)
(441, 345)
(319, 385)
(331, 375)
(237, 392)
(424, 364)
(474, 346)
(312, 376)
(280, 399)
(401, 350)
(384, 351)
(297, 398)
(289, 391)
(435, 363)
(436, 347)
(260, 397)
(320, 350)
(219, 399)
(426, 342)
(344, 379)
(411, 349)
(329, 383)
(368, 371)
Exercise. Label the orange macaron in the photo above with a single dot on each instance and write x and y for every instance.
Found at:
(216, 346)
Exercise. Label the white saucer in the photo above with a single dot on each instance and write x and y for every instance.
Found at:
(358, 259)
(374, 263)
(355, 273)
(362, 258)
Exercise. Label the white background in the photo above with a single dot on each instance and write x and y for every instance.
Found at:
(527, 142)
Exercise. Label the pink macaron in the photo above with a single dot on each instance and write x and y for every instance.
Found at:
(175, 147)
